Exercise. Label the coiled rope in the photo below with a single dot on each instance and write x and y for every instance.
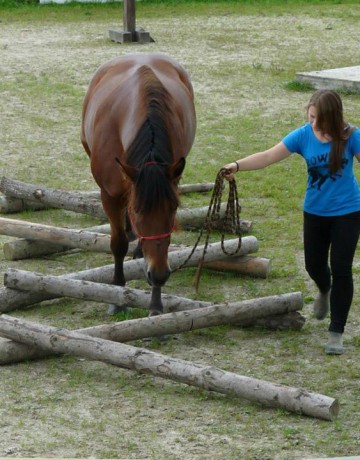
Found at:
(230, 223)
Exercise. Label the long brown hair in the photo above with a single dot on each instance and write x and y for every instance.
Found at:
(330, 121)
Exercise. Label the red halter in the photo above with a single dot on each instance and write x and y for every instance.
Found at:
(149, 237)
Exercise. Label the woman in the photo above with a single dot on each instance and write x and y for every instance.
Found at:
(331, 205)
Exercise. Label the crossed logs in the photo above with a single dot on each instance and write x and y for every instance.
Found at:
(23, 340)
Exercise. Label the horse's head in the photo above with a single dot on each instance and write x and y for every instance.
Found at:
(152, 211)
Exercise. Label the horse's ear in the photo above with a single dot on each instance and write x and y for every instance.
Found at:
(175, 170)
(130, 171)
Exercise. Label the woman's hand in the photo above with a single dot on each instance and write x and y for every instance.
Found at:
(230, 170)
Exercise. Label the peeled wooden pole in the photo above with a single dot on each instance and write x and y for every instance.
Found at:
(72, 238)
(44, 239)
(88, 290)
(61, 286)
(142, 360)
(20, 196)
(245, 265)
(258, 267)
(52, 197)
(68, 287)
(10, 205)
(171, 323)
(11, 299)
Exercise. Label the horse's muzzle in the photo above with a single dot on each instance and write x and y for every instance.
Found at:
(156, 278)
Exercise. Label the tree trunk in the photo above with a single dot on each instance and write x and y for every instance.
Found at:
(83, 239)
(141, 360)
(33, 247)
(11, 299)
(72, 201)
(88, 290)
(174, 323)
(199, 188)
(258, 267)
(99, 292)
(52, 197)
(13, 204)
(26, 248)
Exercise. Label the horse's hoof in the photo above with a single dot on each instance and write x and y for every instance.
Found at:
(155, 313)
(113, 309)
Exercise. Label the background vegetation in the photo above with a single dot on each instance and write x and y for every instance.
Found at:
(242, 57)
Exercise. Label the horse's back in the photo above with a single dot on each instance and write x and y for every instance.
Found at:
(115, 108)
(116, 84)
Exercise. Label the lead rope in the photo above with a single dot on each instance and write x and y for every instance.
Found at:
(229, 224)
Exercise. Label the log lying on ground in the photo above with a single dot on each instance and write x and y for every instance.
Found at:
(11, 299)
(194, 218)
(171, 323)
(11, 205)
(83, 239)
(246, 265)
(89, 290)
(32, 195)
(258, 267)
(52, 197)
(22, 196)
(27, 248)
(86, 290)
(57, 340)
(55, 239)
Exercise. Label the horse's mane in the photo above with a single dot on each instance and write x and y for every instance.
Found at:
(151, 151)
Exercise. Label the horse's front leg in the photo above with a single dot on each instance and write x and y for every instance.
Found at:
(119, 247)
(119, 243)
(156, 306)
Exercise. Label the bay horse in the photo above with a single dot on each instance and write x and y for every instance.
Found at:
(138, 126)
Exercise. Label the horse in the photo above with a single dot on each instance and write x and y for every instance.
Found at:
(138, 126)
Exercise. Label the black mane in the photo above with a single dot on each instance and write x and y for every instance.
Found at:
(151, 151)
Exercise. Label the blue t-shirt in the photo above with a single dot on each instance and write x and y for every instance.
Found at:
(326, 194)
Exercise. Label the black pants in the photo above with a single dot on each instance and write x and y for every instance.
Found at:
(338, 236)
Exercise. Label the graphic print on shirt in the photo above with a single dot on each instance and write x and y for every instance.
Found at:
(318, 170)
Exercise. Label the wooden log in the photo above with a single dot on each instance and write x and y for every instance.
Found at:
(88, 290)
(16, 250)
(141, 360)
(69, 287)
(80, 289)
(171, 323)
(11, 299)
(245, 265)
(26, 249)
(11, 205)
(198, 188)
(52, 197)
(258, 267)
(83, 239)
(14, 204)
(83, 202)
(29, 281)
(201, 187)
